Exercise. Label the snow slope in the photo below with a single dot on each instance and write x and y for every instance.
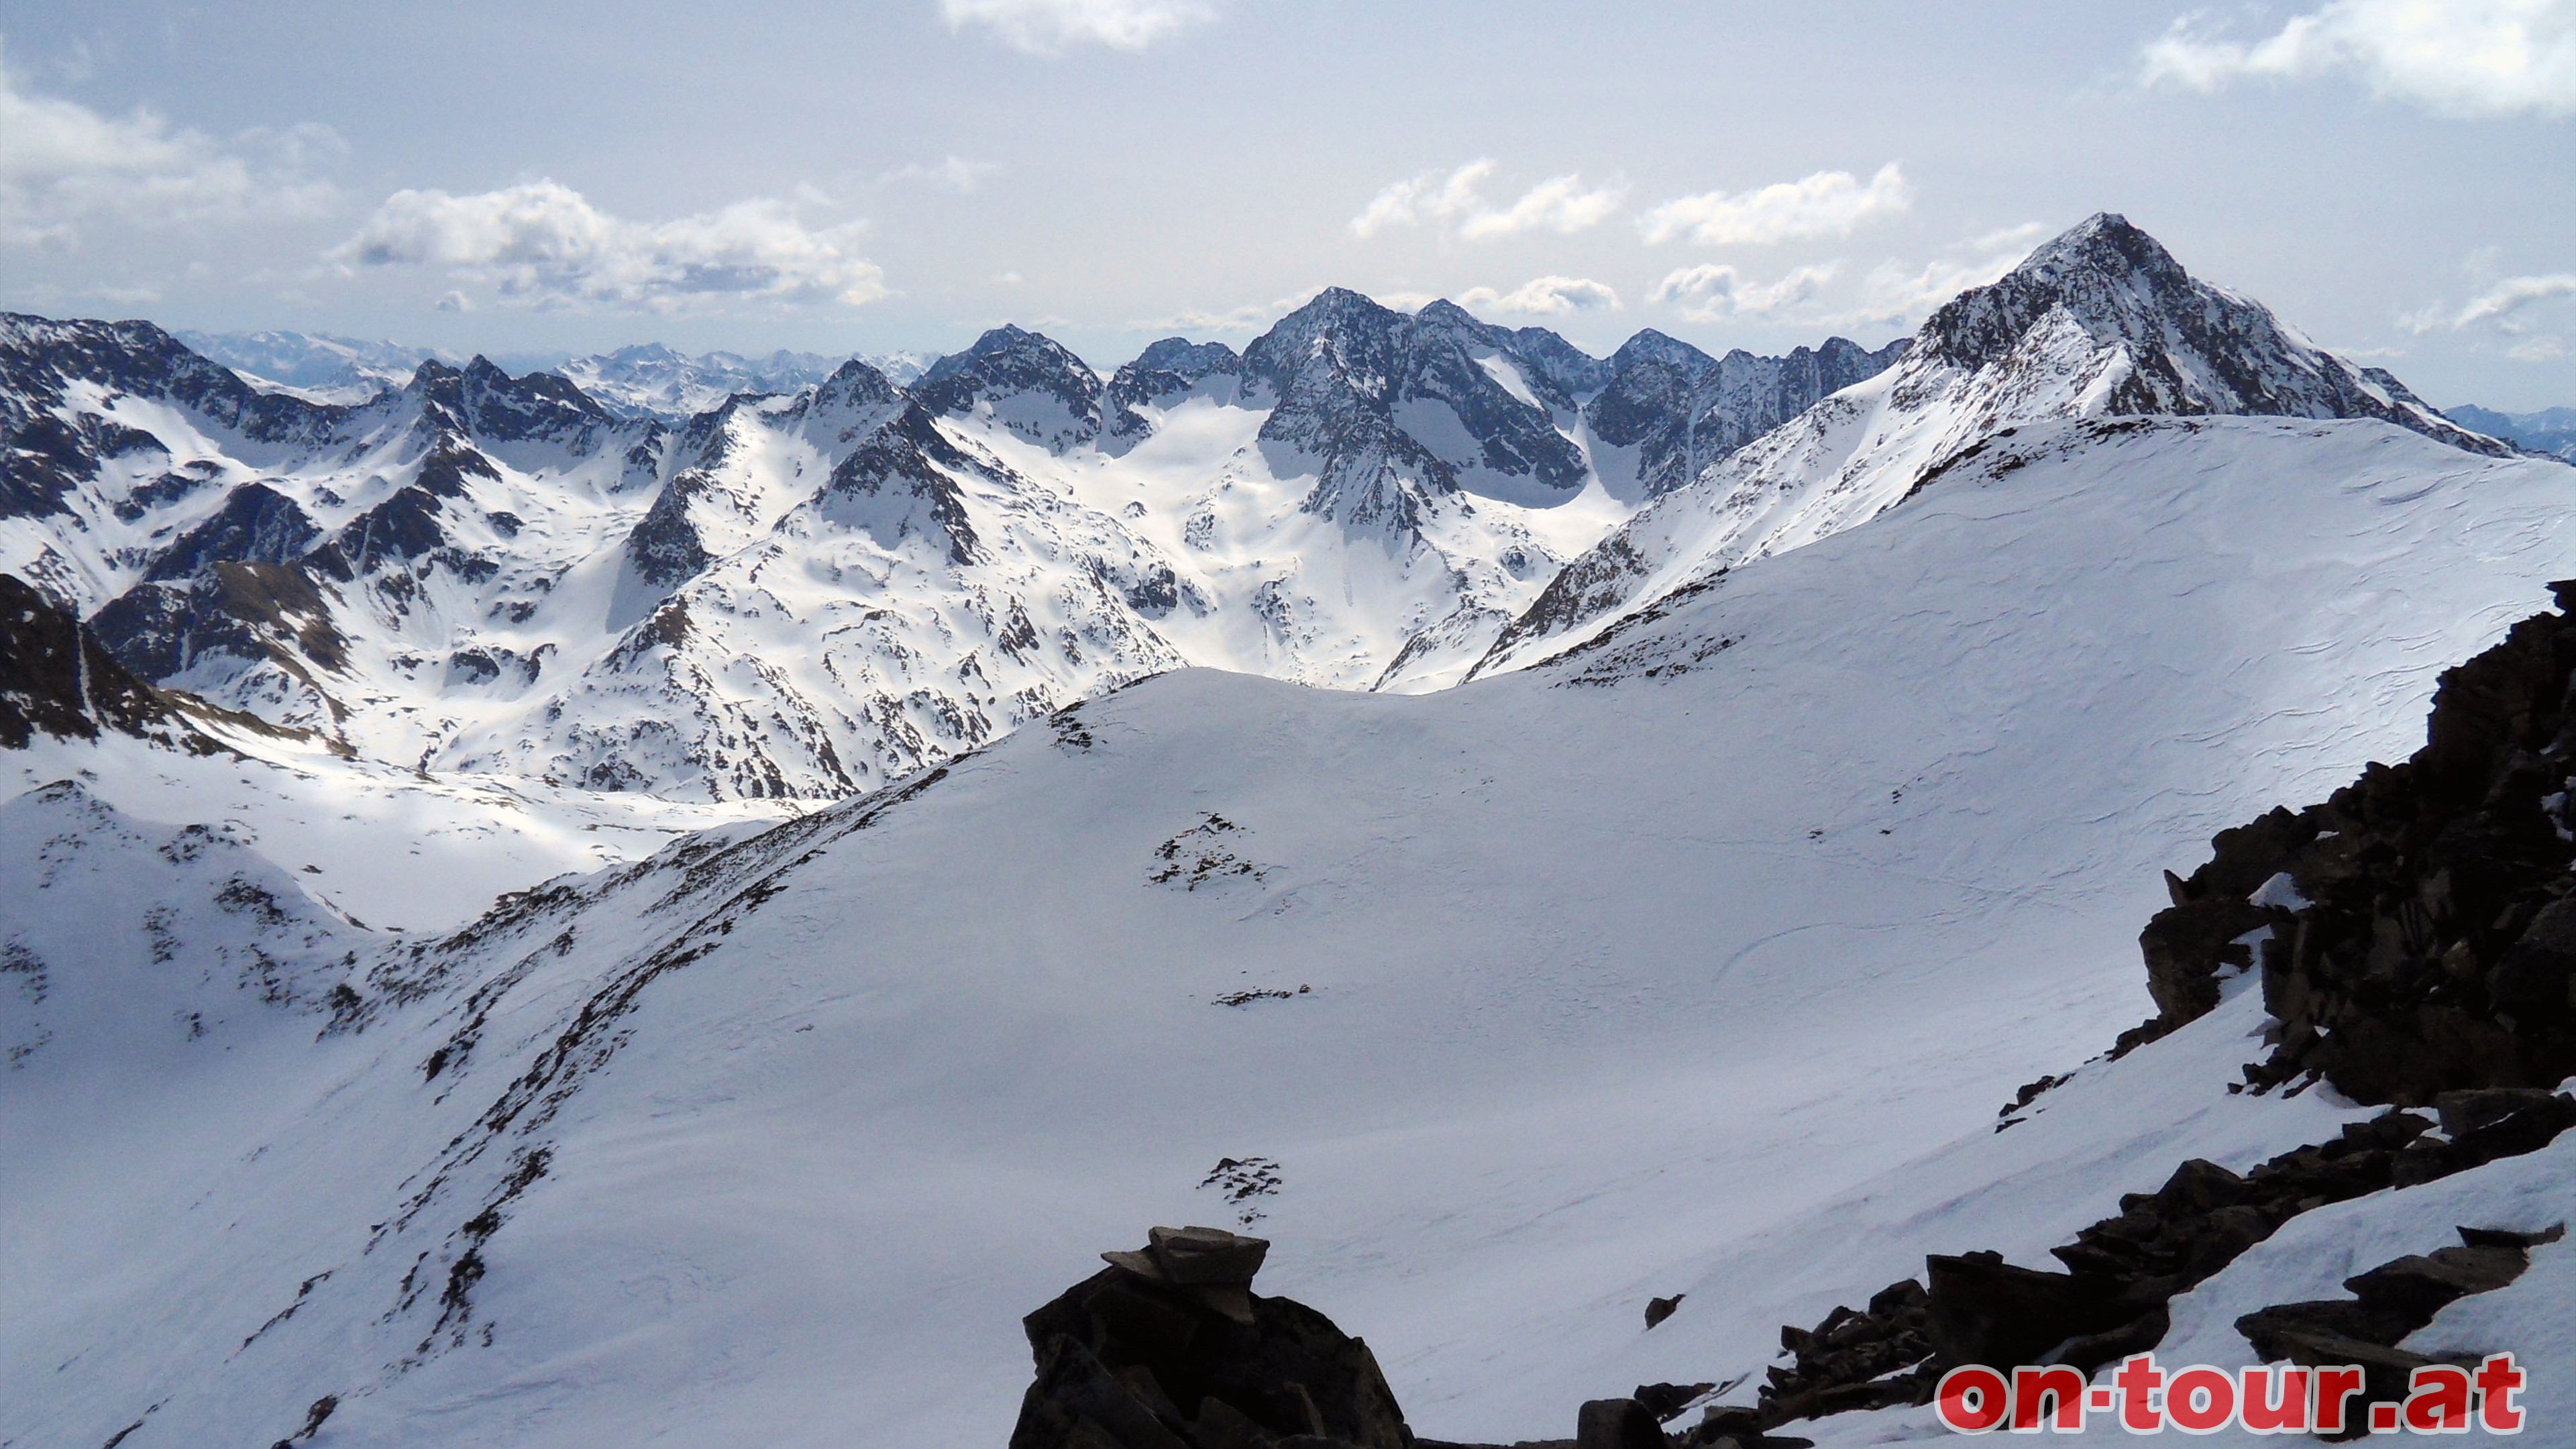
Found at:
(1644, 971)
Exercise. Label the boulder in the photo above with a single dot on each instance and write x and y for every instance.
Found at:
(1617, 1424)
(1168, 1348)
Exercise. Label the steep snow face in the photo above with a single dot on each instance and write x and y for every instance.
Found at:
(2101, 322)
(1637, 973)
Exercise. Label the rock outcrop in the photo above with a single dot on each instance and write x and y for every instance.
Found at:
(1169, 1348)
(2427, 943)
(56, 679)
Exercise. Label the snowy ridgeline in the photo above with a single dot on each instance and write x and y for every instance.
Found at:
(715, 578)
(740, 579)
(1697, 961)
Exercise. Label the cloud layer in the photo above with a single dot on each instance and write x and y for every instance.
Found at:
(1049, 27)
(1561, 204)
(2502, 308)
(543, 244)
(62, 164)
(953, 173)
(2458, 58)
(1543, 297)
(1716, 292)
(1826, 204)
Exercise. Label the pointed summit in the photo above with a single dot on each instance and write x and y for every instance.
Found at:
(2101, 322)
(2164, 342)
(1029, 382)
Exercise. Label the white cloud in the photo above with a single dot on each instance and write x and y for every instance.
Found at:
(1251, 317)
(543, 244)
(1900, 293)
(1714, 291)
(1559, 204)
(1048, 27)
(2502, 308)
(1562, 204)
(1828, 203)
(2513, 294)
(1542, 297)
(954, 173)
(2456, 57)
(62, 164)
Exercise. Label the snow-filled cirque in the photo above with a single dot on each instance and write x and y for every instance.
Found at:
(679, 917)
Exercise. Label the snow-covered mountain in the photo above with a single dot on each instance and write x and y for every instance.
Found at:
(1695, 963)
(318, 366)
(807, 590)
(644, 380)
(2550, 430)
(651, 380)
(2099, 323)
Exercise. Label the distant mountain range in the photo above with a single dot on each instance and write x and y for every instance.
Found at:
(647, 380)
(2551, 430)
(1840, 719)
(795, 576)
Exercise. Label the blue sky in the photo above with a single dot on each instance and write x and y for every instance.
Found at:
(2397, 178)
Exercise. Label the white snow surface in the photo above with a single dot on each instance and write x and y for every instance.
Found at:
(1697, 961)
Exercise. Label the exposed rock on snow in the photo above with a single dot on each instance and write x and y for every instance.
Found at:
(57, 679)
(2434, 949)
(1169, 1349)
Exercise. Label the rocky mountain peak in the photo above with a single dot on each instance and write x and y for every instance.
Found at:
(2110, 278)
(2159, 341)
(1034, 385)
(1167, 369)
(485, 401)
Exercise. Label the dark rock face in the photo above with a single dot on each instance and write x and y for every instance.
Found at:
(665, 549)
(1169, 1349)
(1683, 410)
(1617, 1424)
(1008, 363)
(58, 680)
(2439, 951)
(43, 457)
(257, 524)
(1168, 369)
(1343, 368)
(483, 401)
(2194, 348)
(897, 465)
(273, 612)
